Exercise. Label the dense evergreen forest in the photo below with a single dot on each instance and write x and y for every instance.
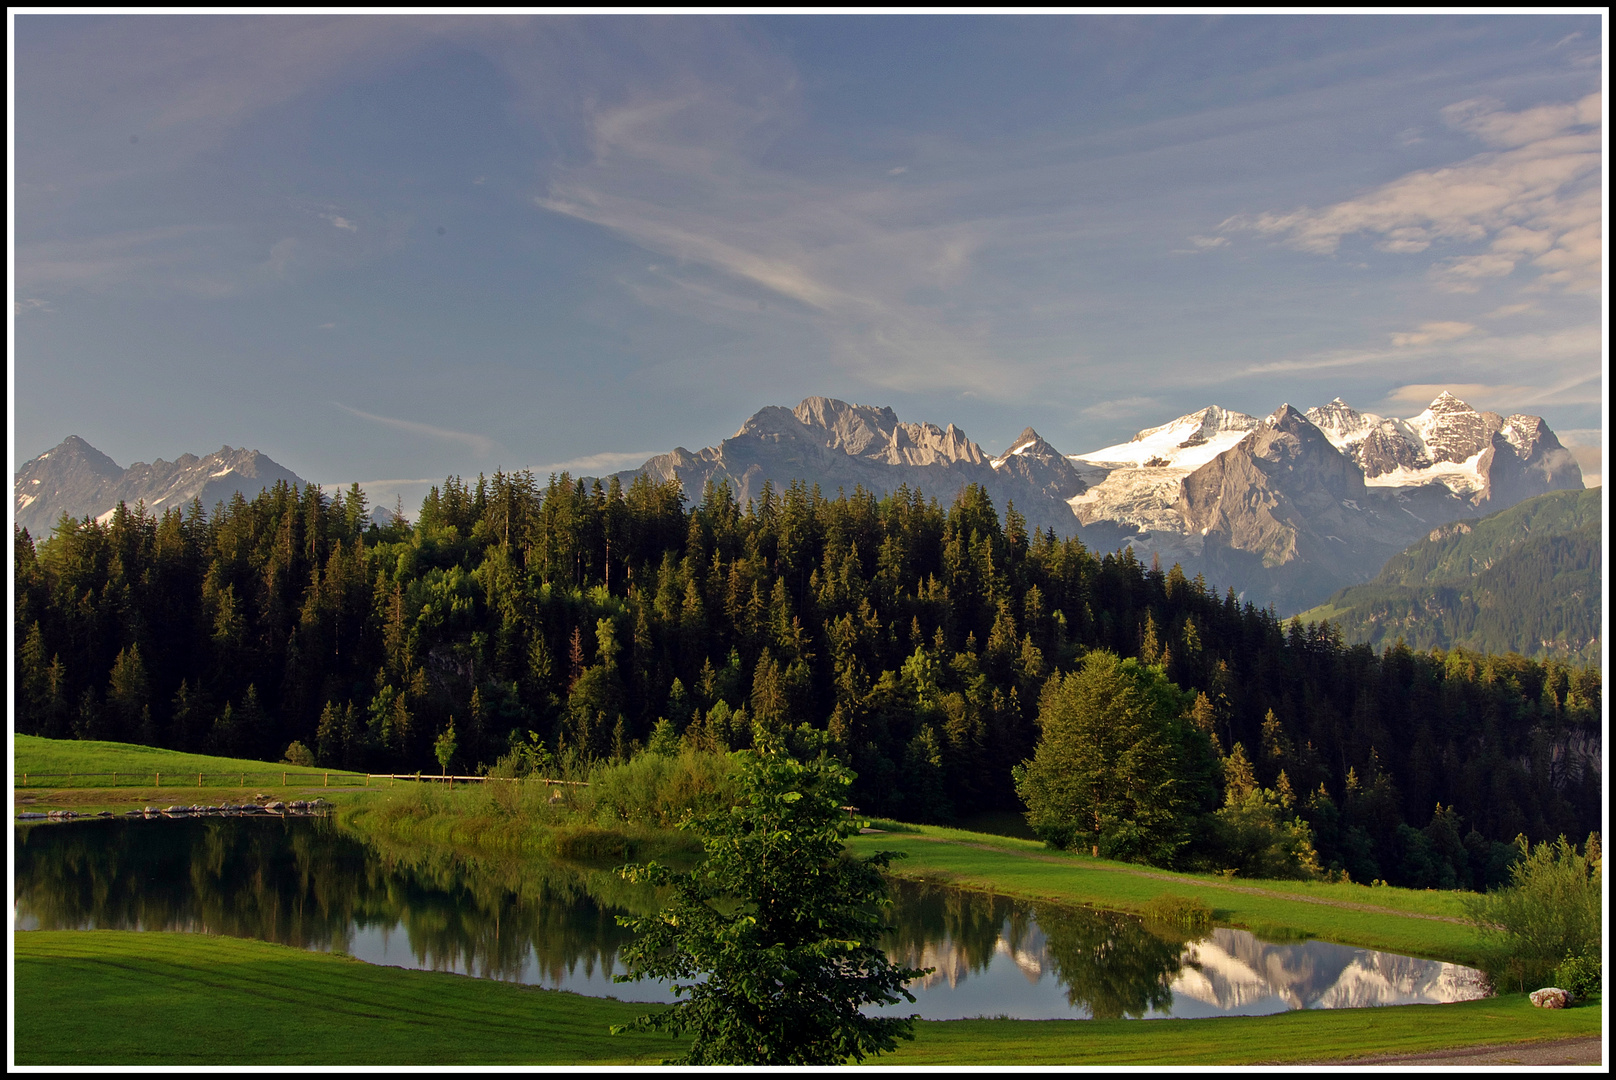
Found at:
(1525, 579)
(915, 636)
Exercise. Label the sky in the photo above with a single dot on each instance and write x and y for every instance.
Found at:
(390, 248)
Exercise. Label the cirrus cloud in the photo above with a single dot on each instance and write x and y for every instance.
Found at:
(1535, 197)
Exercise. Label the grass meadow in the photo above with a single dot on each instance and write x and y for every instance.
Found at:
(117, 998)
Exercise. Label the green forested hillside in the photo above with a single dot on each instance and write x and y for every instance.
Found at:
(1523, 580)
(914, 639)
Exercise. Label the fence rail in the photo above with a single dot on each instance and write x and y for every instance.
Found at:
(288, 777)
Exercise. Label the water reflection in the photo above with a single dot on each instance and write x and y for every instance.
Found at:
(1000, 957)
(308, 884)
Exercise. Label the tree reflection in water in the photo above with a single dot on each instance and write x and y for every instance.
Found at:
(309, 884)
(305, 883)
(1109, 965)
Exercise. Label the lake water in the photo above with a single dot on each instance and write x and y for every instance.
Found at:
(308, 884)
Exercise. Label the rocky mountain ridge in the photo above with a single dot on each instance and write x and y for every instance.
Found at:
(76, 479)
(1284, 509)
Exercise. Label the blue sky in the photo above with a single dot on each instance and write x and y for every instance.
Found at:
(390, 248)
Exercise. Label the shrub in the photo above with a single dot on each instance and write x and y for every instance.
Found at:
(1181, 912)
(298, 754)
(655, 789)
(1579, 975)
(1549, 911)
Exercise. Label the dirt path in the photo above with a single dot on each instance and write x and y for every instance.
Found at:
(1249, 889)
(1583, 1051)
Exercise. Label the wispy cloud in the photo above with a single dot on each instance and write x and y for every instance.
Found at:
(340, 222)
(1127, 406)
(21, 306)
(480, 445)
(1501, 397)
(1535, 199)
(172, 254)
(1432, 332)
(599, 464)
(1572, 353)
(859, 260)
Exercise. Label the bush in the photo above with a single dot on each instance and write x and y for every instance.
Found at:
(1579, 975)
(1549, 911)
(1180, 912)
(1260, 837)
(298, 754)
(658, 790)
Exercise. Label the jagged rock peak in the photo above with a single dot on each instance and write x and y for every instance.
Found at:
(1287, 416)
(1341, 420)
(1026, 440)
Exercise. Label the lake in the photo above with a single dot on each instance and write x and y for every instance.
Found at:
(309, 884)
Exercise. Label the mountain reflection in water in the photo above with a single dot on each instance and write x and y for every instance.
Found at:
(309, 884)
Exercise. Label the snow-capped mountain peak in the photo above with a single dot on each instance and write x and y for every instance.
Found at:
(77, 479)
(1185, 443)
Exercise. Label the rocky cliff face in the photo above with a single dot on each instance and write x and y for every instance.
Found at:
(1040, 466)
(76, 479)
(842, 446)
(1285, 509)
(1489, 459)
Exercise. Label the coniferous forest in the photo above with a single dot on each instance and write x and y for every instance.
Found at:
(916, 637)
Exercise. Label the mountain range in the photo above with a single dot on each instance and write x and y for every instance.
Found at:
(76, 479)
(1285, 509)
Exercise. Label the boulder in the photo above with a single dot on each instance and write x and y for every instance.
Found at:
(1551, 997)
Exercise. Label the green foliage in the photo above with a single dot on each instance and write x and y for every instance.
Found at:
(1578, 975)
(779, 926)
(444, 748)
(1182, 912)
(1257, 832)
(298, 754)
(1551, 910)
(1526, 580)
(657, 788)
(1112, 770)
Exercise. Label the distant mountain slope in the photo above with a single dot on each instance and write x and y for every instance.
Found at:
(1526, 580)
(76, 479)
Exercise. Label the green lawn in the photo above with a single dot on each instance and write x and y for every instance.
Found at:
(118, 998)
(112, 997)
(1027, 869)
(97, 762)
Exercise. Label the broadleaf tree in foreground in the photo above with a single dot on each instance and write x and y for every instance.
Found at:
(773, 937)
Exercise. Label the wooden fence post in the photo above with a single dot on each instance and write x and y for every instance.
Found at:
(327, 779)
(198, 779)
(159, 779)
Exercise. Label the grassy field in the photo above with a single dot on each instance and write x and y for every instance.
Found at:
(116, 776)
(91, 998)
(1409, 921)
(37, 756)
